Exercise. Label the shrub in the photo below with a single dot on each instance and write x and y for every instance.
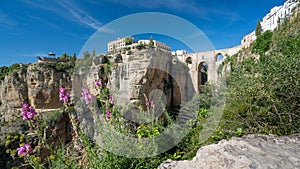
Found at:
(263, 94)
(262, 43)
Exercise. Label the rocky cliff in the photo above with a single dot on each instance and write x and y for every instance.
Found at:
(38, 83)
(137, 74)
(151, 73)
(156, 74)
(248, 152)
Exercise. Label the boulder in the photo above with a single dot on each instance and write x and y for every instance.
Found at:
(247, 152)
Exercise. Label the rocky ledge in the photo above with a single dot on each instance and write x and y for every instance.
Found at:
(247, 152)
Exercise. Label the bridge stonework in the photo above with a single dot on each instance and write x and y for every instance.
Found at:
(195, 60)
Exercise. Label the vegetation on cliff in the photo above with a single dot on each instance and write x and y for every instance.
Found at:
(264, 84)
(65, 63)
(5, 70)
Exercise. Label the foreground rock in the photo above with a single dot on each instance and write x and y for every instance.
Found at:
(248, 152)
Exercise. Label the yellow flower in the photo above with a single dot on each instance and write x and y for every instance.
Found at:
(51, 157)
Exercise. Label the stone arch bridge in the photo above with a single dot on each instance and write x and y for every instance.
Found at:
(203, 65)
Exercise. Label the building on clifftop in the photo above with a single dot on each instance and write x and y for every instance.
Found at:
(128, 43)
(272, 20)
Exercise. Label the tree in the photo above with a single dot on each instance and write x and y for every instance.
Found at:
(151, 43)
(74, 55)
(73, 58)
(258, 29)
(128, 41)
(263, 43)
(14, 66)
(86, 54)
(141, 46)
(64, 56)
(94, 53)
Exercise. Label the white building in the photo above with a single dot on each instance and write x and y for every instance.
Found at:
(118, 44)
(157, 45)
(272, 20)
(179, 52)
(277, 15)
(248, 39)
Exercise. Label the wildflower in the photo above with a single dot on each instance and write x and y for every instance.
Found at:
(51, 157)
(111, 99)
(88, 97)
(24, 150)
(108, 114)
(27, 112)
(64, 95)
(98, 83)
(148, 104)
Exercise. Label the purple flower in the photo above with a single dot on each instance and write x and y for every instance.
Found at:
(88, 97)
(108, 114)
(25, 150)
(27, 112)
(148, 104)
(98, 83)
(111, 99)
(64, 95)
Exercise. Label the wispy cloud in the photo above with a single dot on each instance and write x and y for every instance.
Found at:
(204, 12)
(68, 10)
(80, 16)
(35, 54)
(6, 21)
(227, 15)
(177, 5)
(107, 30)
(44, 21)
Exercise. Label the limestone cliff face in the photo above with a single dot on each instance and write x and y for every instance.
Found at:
(152, 73)
(43, 86)
(147, 72)
(13, 89)
(37, 82)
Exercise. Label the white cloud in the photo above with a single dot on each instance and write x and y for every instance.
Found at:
(44, 21)
(107, 30)
(68, 10)
(6, 21)
(177, 5)
(80, 16)
(205, 10)
(35, 54)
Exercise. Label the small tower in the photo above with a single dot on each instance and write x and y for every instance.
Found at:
(51, 54)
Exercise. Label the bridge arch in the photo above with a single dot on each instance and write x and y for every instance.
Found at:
(219, 56)
(202, 74)
(189, 60)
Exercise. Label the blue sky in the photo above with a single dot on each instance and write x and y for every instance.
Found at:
(30, 28)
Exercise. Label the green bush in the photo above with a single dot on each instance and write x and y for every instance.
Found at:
(4, 70)
(263, 94)
(262, 43)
